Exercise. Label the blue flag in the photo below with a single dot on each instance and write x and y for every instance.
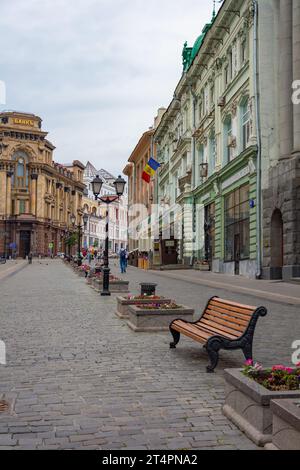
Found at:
(153, 164)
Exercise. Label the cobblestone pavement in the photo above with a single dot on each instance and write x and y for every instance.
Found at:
(11, 267)
(78, 378)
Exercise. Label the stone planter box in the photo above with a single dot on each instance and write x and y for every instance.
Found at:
(200, 267)
(286, 425)
(142, 320)
(81, 273)
(115, 287)
(247, 405)
(123, 304)
(89, 280)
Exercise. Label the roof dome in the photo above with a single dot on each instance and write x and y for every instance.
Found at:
(199, 40)
(197, 46)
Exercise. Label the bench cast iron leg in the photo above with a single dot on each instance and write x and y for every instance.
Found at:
(176, 336)
(212, 349)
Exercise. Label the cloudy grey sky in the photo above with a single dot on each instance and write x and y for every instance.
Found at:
(96, 71)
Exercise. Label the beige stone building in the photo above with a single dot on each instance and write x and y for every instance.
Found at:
(37, 195)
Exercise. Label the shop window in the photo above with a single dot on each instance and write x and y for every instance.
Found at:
(237, 224)
(22, 207)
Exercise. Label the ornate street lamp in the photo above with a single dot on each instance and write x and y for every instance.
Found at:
(119, 185)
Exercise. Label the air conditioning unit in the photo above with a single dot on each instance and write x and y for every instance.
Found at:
(203, 170)
(222, 101)
(231, 141)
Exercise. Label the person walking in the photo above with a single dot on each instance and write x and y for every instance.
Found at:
(123, 260)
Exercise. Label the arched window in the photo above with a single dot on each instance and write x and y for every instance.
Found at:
(21, 174)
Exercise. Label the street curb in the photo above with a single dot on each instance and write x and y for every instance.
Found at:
(13, 272)
(272, 297)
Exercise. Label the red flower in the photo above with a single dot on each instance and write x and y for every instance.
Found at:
(278, 367)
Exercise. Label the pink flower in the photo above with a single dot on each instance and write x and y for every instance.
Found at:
(258, 366)
(278, 367)
(249, 362)
(289, 370)
(298, 365)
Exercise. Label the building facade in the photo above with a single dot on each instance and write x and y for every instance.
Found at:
(37, 195)
(279, 65)
(141, 195)
(94, 233)
(207, 145)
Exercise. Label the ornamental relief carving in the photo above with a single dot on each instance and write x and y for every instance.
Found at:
(234, 107)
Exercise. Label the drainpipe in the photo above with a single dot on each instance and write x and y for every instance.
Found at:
(194, 97)
(258, 125)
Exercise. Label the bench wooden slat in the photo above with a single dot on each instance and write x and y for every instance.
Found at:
(203, 330)
(220, 327)
(233, 305)
(233, 309)
(232, 322)
(191, 331)
(232, 302)
(214, 331)
(217, 308)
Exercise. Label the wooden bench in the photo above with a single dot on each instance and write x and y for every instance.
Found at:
(223, 325)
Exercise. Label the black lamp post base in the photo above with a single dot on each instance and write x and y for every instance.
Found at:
(105, 292)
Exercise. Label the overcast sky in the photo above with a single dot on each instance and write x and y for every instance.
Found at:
(95, 71)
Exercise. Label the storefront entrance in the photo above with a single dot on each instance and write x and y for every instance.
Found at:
(24, 248)
(169, 251)
(276, 245)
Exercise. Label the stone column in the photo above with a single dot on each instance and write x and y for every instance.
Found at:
(286, 78)
(296, 70)
(3, 196)
(8, 194)
(33, 194)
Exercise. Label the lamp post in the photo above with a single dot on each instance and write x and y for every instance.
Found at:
(119, 185)
(79, 229)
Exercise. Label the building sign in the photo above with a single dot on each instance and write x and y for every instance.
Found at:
(170, 243)
(233, 179)
(24, 122)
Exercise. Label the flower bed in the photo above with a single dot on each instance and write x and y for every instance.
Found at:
(249, 393)
(84, 270)
(278, 378)
(123, 303)
(156, 316)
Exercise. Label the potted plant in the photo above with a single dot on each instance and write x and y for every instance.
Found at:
(123, 303)
(156, 316)
(249, 393)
